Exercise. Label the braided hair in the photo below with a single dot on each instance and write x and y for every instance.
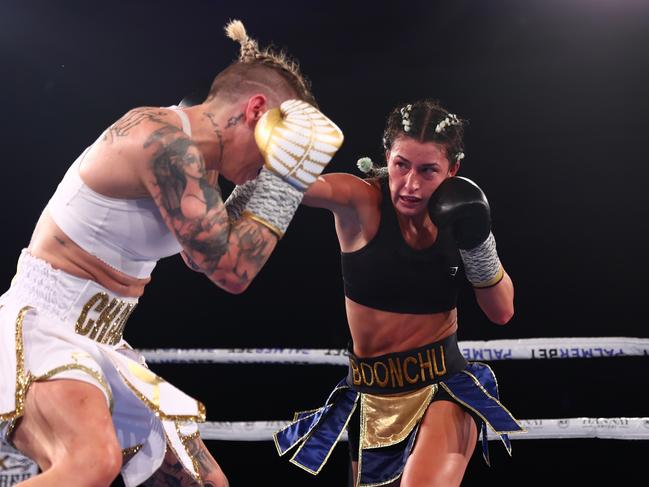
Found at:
(424, 121)
(268, 67)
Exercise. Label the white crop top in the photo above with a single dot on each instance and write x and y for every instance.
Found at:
(127, 234)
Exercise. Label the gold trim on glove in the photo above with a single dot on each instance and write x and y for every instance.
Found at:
(297, 142)
(493, 281)
(262, 221)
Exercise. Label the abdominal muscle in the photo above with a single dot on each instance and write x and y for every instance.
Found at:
(50, 244)
(376, 332)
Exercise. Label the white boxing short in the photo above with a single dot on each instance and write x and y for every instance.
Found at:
(57, 326)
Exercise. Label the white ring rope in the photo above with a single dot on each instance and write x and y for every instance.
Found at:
(533, 348)
(605, 428)
(521, 349)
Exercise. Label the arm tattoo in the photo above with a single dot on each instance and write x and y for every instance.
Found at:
(252, 251)
(123, 126)
(59, 239)
(224, 251)
(179, 172)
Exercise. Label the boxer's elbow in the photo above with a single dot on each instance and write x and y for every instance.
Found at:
(230, 282)
(501, 316)
(236, 288)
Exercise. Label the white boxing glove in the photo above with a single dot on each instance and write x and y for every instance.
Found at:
(297, 142)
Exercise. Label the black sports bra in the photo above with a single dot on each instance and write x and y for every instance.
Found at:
(389, 275)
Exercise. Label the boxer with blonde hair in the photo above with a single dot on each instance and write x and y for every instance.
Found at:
(74, 396)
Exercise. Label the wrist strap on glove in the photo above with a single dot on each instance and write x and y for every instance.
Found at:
(482, 265)
(238, 199)
(273, 202)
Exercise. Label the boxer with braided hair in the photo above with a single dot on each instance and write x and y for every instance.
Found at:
(273, 69)
(73, 395)
(411, 403)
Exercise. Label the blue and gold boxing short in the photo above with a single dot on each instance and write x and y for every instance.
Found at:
(390, 395)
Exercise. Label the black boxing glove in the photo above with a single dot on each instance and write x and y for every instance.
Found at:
(459, 204)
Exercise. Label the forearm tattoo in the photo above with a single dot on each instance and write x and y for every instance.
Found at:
(253, 250)
(195, 210)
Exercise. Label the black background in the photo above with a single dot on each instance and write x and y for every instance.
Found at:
(557, 96)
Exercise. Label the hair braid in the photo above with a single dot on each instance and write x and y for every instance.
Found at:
(277, 60)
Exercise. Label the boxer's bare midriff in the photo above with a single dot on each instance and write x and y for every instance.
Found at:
(50, 244)
(376, 332)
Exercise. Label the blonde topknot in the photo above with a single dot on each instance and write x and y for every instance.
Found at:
(236, 31)
(251, 57)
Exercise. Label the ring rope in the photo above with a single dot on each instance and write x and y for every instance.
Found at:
(566, 428)
(520, 349)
